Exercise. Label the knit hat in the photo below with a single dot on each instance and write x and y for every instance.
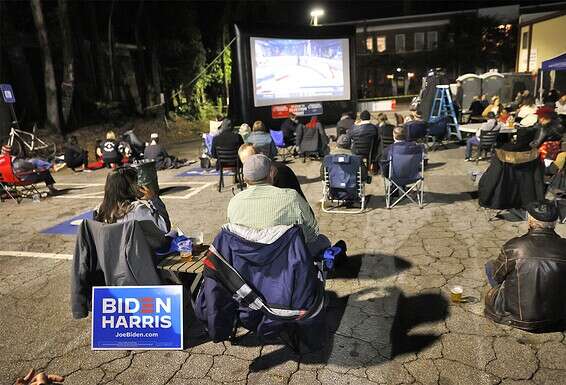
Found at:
(545, 112)
(256, 167)
(544, 211)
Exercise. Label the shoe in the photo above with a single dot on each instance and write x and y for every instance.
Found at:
(468, 159)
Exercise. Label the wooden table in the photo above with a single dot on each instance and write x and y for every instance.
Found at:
(194, 265)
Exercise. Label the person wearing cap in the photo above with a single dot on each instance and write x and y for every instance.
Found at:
(157, 153)
(263, 205)
(528, 278)
(548, 133)
(31, 170)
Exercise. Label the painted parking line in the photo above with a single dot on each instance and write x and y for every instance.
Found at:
(100, 194)
(34, 254)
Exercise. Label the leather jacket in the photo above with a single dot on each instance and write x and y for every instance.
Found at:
(530, 273)
(549, 132)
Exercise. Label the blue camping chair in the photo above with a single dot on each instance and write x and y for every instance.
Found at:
(437, 132)
(416, 130)
(283, 149)
(404, 174)
(343, 183)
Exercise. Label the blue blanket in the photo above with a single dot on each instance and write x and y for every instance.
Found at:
(66, 228)
(197, 171)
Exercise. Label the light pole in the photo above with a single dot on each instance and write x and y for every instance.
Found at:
(315, 14)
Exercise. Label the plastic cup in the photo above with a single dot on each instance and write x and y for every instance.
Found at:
(456, 294)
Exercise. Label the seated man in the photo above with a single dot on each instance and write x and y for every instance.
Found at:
(31, 170)
(75, 156)
(157, 153)
(284, 177)
(289, 129)
(399, 140)
(263, 205)
(491, 125)
(529, 275)
(226, 139)
(364, 131)
(344, 124)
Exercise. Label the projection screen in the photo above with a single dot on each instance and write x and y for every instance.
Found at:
(299, 70)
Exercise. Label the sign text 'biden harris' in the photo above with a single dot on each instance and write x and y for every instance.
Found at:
(137, 317)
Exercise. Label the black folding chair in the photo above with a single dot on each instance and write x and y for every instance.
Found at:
(387, 135)
(228, 158)
(488, 139)
(363, 147)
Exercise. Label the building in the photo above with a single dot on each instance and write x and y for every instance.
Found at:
(393, 54)
(541, 37)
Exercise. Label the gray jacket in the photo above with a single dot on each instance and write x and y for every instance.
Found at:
(118, 254)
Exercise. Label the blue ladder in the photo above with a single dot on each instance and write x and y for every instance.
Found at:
(442, 106)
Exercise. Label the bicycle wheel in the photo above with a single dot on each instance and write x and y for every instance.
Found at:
(47, 153)
(18, 147)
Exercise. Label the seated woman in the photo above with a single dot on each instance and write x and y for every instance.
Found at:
(515, 176)
(311, 138)
(125, 200)
(111, 151)
(75, 156)
(261, 140)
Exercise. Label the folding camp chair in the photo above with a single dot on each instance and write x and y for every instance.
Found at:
(416, 130)
(12, 184)
(405, 174)
(283, 149)
(343, 183)
(488, 140)
(437, 132)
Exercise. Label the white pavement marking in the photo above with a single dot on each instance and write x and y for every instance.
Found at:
(100, 194)
(34, 254)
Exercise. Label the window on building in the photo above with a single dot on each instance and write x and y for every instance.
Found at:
(369, 43)
(432, 40)
(400, 42)
(419, 41)
(381, 44)
(525, 40)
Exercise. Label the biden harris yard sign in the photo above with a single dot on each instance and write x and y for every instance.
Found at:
(137, 317)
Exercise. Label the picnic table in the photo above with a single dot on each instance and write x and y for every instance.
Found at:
(178, 264)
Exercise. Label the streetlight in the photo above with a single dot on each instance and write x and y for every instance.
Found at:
(315, 14)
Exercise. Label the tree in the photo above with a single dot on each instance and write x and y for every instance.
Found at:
(52, 106)
(68, 83)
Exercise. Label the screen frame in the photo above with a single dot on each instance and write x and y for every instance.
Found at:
(346, 69)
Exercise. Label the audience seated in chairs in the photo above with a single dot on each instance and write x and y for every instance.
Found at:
(528, 277)
(344, 178)
(476, 110)
(30, 170)
(227, 139)
(245, 131)
(415, 129)
(263, 205)
(267, 281)
(284, 177)
(75, 157)
(312, 139)
(494, 106)
(403, 169)
(262, 140)
(515, 176)
(384, 130)
(528, 107)
(111, 151)
(492, 125)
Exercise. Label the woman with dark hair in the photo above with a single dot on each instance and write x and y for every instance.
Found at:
(125, 200)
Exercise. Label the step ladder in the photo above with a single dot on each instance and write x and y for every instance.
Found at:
(442, 106)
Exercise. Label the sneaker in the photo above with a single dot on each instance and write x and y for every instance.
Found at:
(468, 159)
